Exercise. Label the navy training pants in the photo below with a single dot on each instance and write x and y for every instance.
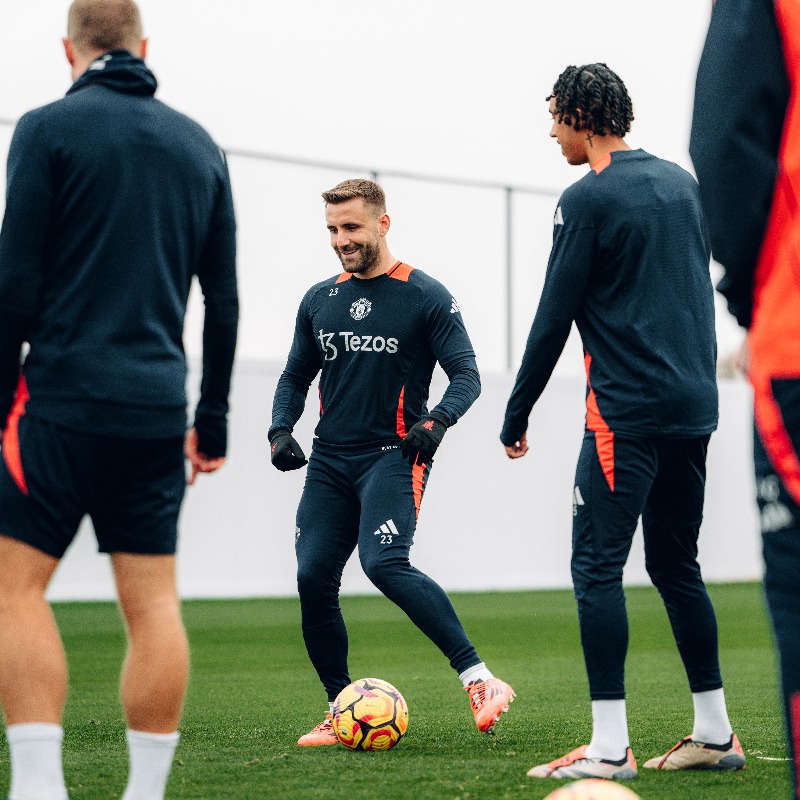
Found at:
(369, 501)
(619, 479)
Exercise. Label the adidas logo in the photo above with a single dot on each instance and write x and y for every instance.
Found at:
(558, 219)
(454, 309)
(386, 531)
(577, 500)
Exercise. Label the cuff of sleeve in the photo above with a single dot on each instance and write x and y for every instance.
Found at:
(212, 436)
(274, 433)
(440, 417)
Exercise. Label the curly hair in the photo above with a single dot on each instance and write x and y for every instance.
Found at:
(594, 98)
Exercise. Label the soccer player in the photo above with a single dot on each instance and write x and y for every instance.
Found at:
(375, 332)
(114, 202)
(745, 138)
(630, 266)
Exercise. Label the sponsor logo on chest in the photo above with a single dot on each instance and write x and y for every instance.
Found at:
(349, 342)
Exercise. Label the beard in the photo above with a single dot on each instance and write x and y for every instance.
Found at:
(369, 258)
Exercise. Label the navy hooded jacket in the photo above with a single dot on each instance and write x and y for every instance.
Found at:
(114, 202)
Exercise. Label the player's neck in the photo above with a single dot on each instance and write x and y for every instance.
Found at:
(385, 263)
(598, 147)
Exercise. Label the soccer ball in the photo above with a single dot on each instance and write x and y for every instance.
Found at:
(369, 714)
(592, 789)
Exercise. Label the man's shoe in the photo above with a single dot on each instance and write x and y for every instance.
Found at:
(689, 754)
(577, 765)
(322, 734)
(489, 699)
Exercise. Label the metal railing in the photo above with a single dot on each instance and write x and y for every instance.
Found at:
(509, 191)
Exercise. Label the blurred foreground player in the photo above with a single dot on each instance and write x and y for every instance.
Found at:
(375, 331)
(114, 202)
(745, 144)
(630, 266)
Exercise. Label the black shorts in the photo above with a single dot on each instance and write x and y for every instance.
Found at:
(51, 477)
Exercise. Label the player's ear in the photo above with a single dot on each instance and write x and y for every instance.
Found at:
(384, 222)
(143, 48)
(69, 51)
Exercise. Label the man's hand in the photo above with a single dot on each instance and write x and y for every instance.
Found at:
(518, 449)
(423, 439)
(285, 452)
(199, 461)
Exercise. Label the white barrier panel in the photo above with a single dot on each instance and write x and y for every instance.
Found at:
(486, 522)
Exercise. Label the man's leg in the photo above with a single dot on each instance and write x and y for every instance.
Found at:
(156, 669)
(325, 537)
(390, 492)
(33, 673)
(612, 479)
(671, 523)
(780, 530)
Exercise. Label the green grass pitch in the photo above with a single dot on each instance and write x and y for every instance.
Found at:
(253, 692)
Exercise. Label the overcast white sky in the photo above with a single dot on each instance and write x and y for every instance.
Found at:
(449, 87)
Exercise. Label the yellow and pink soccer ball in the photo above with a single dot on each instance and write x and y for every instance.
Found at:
(593, 789)
(369, 714)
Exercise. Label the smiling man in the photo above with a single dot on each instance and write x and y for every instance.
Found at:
(375, 332)
(629, 265)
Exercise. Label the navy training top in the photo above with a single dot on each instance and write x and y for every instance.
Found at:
(114, 202)
(376, 343)
(630, 265)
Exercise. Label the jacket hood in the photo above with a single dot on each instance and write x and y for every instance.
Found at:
(120, 71)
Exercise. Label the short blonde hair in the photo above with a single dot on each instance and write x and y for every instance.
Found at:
(369, 191)
(103, 25)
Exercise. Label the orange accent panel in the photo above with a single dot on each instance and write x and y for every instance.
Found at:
(345, 276)
(321, 409)
(11, 453)
(774, 338)
(417, 476)
(401, 423)
(603, 437)
(774, 435)
(594, 419)
(602, 163)
(794, 732)
(400, 272)
(604, 442)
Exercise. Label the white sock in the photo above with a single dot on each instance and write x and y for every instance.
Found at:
(150, 762)
(711, 723)
(36, 771)
(330, 706)
(609, 730)
(477, 673)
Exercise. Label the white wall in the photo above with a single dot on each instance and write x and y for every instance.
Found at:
(486, 522)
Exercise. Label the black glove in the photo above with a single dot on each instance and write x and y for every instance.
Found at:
(422, 440)
(285, 452)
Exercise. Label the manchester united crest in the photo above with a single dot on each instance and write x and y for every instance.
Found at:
(360, 309)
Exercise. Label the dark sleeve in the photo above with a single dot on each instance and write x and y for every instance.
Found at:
(740, 102)
(302, 366)
(29, 193)
(564, 285)
(217, 276)
(452, 348)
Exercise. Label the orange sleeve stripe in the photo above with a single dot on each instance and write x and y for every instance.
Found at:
(11, 453)
(345, 276)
